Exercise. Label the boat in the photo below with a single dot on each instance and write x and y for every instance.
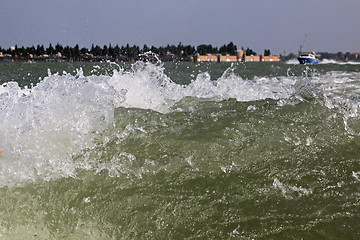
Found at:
(308, 58)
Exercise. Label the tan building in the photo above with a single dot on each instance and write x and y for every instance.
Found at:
(270, 58)
(228, 58)
(207, 58)
(221, 58)
(239, 57)
(252, 58)
(240, 54)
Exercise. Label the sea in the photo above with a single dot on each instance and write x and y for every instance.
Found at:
(153, 150)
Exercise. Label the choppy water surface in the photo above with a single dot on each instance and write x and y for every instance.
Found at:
(179, 151)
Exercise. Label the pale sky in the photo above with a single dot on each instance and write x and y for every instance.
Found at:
(278, 25)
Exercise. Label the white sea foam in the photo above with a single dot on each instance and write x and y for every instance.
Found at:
(289, 191)
(149, 88)
(292, 61)
(356, 175)
(331, 61)
(42, 128)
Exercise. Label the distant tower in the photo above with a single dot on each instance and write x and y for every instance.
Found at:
(240, 55)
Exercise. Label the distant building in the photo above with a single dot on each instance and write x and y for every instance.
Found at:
(220, 58)
(8, 58)
(207, 58)
(252, 58)
(355, 56)
(240, 54)
(228, 58)
(270, 58)
(239, 57)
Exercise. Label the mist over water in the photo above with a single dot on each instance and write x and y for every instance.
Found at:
(179, 151)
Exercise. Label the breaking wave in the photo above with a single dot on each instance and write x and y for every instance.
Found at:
(44, 127)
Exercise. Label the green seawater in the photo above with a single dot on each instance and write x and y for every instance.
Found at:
(179, 151)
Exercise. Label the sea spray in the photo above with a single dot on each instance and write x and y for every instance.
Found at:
(47, 124)
(142, 151)
(62, 115)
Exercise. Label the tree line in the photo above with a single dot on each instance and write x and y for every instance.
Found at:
(127, 50)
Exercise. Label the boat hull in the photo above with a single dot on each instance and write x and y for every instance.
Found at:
(303, 60)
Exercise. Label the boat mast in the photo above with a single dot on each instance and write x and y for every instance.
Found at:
(302, 45)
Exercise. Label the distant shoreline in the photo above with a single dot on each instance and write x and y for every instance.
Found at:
(170, 53)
